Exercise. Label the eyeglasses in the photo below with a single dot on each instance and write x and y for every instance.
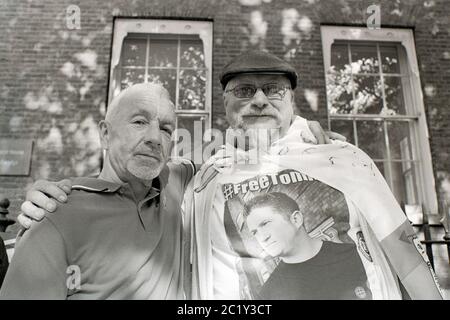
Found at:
(247, 91)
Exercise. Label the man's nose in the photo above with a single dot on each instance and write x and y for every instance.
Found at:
(153, 135)
(260, 100)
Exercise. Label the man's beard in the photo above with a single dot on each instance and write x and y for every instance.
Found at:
(250, 138)
(145, 172)
(147, 162)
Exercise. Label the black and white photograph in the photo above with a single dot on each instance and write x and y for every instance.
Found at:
(229, 150)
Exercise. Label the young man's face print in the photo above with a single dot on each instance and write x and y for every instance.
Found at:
(274, 231)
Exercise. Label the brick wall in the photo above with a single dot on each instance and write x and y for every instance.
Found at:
(53, 81)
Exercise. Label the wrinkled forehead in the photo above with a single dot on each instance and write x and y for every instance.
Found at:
(258, 79)
(153, 102)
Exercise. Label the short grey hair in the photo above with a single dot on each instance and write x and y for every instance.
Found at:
(137, 92)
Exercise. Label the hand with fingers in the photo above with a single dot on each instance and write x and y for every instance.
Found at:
(321, 136)
(41, 198)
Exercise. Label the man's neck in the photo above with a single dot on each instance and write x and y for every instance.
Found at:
(108, 174)
(305, 249)
(139, 188)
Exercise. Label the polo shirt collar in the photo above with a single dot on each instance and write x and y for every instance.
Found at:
(102, 186)
(99, 185)
(95, 185)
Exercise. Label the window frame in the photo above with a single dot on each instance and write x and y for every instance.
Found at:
(127, 26)
(415, 111)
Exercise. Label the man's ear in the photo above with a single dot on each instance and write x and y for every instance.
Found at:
(297, 218)
(103, 130)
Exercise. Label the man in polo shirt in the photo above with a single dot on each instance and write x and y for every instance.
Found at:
(119, 235)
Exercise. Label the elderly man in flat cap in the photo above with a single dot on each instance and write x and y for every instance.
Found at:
(343, 197)
(341, 192)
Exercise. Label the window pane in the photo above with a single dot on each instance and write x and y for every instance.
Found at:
(192, 89)
(339, 93)
(364, 58)
(368, 94)
(191, 54)
(339, 58)
(389, 59)
(399, 140)
(380, 95)
(344, 127)
(394, 95)
(130, 77)
(167, 77)
(133, 52)
(371, 138)
(163, 53)
(403, 181)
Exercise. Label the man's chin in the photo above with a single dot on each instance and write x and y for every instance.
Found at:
(145, 173)
(272, 252)
(269, 124)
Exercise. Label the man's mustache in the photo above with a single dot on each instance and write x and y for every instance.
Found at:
(152, 151)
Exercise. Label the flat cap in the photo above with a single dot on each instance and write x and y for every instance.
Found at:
(257, 62)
